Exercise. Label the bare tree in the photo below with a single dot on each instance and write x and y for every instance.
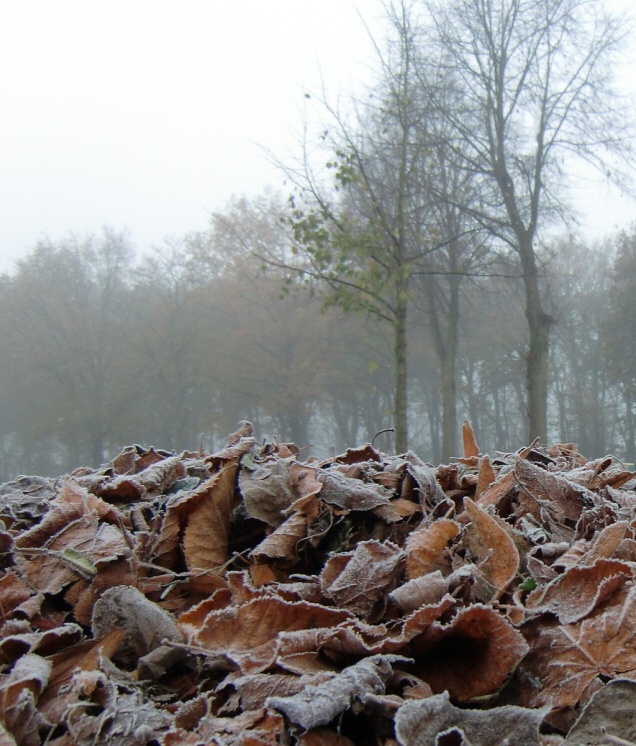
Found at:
(533, 86)
(365, 241)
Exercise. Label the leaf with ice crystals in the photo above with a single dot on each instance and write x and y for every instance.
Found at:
(319, 705)
(432, 720)
(359, 580)
(425, 589)
(284, 541)
(426, 548)
(580, 589)
(348, 493)
(471, 656)
(488, 539)
(609, 713)
(268, 491)
(564, 659)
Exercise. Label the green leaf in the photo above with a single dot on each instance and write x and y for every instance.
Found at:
(79, 560)
(529, 584)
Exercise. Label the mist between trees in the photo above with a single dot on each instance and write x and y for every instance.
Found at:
(99, 352)
(413, 277)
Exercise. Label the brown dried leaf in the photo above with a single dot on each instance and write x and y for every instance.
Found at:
(406, 508)
(551, 498)
(492, 545)
(158, 477)
(485, 477)
(433, 720)
(248, 635)
(471, 449)
(429, 492)
(83, 656)
(348, 493)
(252, 728)
(145, 623)
(19, 692)
(368, 575)
(319, 705)
(359, 455)
(423, 590)
(13, 593)
(473, 655)
(283, 542)
(46, 642)
(213, 498)
(498, 492)
(118, 719)
(322, 737)
(426, 546)
(70, 541)
(24, 501)
(207, 531)
(564, 659)
(609, 713)
(357, 638)
(245, 431)
(580, 589)
(608, 540)
(268, 491)
(253, 690)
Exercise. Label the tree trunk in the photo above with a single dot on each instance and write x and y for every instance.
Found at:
(400, 421)
(449, 375)
(539, 324)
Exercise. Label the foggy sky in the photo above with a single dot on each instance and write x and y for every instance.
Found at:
(149, 114)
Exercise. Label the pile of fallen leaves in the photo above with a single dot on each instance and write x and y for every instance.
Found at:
(250, 597)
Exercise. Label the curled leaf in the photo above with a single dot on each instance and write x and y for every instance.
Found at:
(491, 543)
(358, 580)
(425, 547)
(425, 722)
(319, 705)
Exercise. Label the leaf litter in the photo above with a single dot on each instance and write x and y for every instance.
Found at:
(251, 597)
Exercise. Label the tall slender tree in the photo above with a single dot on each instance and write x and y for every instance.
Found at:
(533, 86)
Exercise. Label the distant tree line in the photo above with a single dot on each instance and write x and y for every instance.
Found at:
(100, 351)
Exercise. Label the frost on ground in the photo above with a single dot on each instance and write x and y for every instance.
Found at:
(250, 597)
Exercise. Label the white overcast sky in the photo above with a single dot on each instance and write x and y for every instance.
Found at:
(150, 114)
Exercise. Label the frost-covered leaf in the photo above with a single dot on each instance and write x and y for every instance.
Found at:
(146, 624)
(157, 477)
(75, 523)
(471, 449)
(20, 690)
(43, 642)
(364, 578)
(425, 548)
(429, 722)
(13, 592)
(580, 589)
(284, 541)
(348, 493)
(609, 713)
(248, 635)
(198, 521)
(564, 659)
(319, 705)
(24, 501)
(268, 491)
(125, 718)
(253, 690)
(206, 535)
(492, 545)
(473, 655)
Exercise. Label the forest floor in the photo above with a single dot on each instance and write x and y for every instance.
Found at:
(251, 597)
